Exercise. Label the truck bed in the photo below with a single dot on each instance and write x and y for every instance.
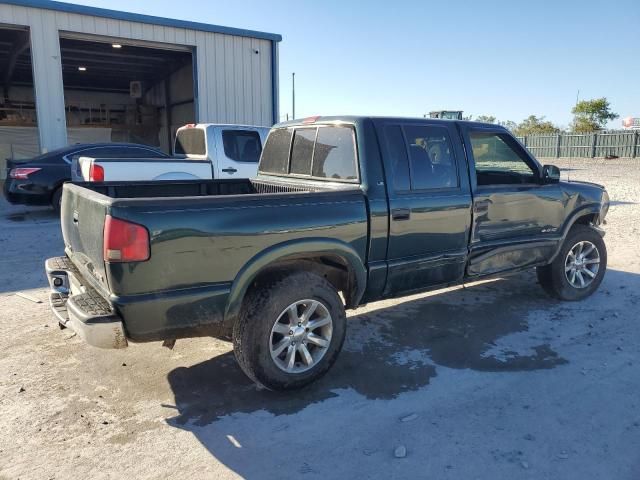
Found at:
(201, 188)
(203, 234)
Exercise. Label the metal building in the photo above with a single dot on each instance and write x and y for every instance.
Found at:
(73, 73)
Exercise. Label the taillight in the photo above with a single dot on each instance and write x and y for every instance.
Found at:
(124, 241)
(22, 173)
(96, 173)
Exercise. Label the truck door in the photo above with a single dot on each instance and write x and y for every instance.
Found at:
(429, 201)
(237, 152)
(517, 217)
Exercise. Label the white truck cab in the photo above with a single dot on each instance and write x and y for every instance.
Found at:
(201, 151)
(232, 150)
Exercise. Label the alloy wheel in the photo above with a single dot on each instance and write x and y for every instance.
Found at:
(301, 336)
(582, 264)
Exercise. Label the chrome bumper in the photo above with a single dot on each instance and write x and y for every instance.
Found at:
(81, 308)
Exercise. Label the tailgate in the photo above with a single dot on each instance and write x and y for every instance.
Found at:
(83, 213)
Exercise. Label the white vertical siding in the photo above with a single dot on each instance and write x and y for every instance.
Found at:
(234, 83)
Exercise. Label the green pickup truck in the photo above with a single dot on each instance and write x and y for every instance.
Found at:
(344, 211)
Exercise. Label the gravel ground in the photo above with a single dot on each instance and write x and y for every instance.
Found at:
(493, 380)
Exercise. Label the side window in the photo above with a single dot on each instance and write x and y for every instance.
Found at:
(497, 162)
(399, 161)
(242, 145)
(335, 154)
(431, 158)
(302, 151)
(190, 141)
(133, 152)
(93, 152)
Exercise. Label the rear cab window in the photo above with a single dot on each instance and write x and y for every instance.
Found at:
(275, 156)
(302, 151)
(191, 141)
(322, 152)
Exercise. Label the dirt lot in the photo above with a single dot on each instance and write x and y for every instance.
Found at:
(494, 380)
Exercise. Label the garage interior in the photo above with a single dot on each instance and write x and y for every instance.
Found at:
(128, 93)
(18, 120)
(113, 91)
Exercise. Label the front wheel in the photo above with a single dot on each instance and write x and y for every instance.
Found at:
(579, 268)
(290, 331)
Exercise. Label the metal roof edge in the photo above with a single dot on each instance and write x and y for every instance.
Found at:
(141, 18)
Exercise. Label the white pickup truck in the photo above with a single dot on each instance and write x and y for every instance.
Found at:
(201, 151)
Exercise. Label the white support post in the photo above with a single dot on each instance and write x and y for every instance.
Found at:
(48, 86)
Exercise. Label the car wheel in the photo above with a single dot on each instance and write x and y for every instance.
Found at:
(56, 200)
(290, 331)
(579, 268)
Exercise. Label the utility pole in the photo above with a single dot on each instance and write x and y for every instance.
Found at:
(577, 96)
(293, 94)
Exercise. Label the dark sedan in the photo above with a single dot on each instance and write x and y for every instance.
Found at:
(38, 181)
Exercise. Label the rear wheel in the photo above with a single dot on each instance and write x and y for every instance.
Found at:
(56, 200)
(579, 268)
(290, 331)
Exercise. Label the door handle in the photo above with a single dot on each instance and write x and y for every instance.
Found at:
(229, 170)
(481, 206)
(400, 214)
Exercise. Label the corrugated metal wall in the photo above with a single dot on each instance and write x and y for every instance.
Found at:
(234, 83)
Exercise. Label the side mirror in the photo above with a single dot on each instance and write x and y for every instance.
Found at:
(550, 174)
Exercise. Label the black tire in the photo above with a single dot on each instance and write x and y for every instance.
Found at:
(263, 307)
(552, 277)
(56, 200)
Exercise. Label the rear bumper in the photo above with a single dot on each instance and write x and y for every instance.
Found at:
(81, 308)
(25, 193)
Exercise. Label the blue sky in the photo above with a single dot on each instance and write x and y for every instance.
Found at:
(509, 59)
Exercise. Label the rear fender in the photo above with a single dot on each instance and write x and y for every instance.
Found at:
(295, 249)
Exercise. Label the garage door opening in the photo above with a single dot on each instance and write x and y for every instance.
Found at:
(18, 121)
(121, 92)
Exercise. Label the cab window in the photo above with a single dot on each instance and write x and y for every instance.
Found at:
(422, 157)
(334, 156)
(431, 158)
(499, 161)
(190, 141)
(302, 151)
(242, 145)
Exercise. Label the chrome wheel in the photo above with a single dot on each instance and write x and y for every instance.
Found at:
(301, 336)
(582, 264)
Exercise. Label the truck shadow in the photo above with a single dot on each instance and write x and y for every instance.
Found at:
(389, 350)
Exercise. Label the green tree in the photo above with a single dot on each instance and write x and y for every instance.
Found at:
(591, 115)
(533, 125)
(486, 118)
